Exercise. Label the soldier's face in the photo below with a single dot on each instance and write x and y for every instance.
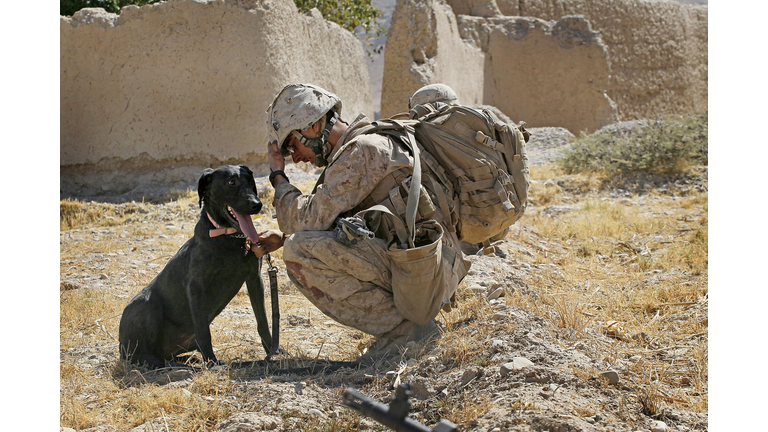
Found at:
(301, 153)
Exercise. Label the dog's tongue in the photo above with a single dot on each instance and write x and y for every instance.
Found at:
(246, 226)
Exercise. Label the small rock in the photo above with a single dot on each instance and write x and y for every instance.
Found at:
(611, 375)
(249, 421)
(521, 362)
(390, 375)
(658, 426)
(497, 345)
(502, 312)
(298, 387)
(506, 368)
(469, 375)
(496, 294)
(103, 276)
(421, 390)
(516, 364)
(316, 412)
(682, 428)
(477, 289)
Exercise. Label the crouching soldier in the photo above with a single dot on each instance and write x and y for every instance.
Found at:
(378, 284)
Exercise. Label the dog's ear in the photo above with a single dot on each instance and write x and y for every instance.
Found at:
(248, 170)
(203, 183)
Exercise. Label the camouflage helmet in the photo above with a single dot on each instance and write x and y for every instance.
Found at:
(433, 93)
(297, 107)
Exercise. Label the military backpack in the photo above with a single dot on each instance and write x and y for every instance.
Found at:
(479, 162)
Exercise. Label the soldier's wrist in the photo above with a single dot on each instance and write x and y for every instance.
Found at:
(276, 173)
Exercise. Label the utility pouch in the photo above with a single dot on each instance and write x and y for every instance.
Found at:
(417, 279)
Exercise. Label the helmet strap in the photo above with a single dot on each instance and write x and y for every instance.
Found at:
(320, 144)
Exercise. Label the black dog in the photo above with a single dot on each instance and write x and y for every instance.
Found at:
(172, 314)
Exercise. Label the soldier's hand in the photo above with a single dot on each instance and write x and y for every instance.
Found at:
(269, 241)
(275, 159)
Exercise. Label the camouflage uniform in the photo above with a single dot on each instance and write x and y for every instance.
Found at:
(351, 284)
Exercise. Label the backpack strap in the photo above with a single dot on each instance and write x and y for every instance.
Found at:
(403, 238)
(411, 206)
(413, 194)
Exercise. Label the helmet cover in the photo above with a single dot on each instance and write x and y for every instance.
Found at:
(297, 107)
(433, 93)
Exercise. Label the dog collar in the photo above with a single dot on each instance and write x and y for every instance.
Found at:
(219, 230)
(227, 231)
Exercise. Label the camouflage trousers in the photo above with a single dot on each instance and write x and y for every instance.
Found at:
(350, 284)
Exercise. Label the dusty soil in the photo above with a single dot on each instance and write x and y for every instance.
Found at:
(467, 375)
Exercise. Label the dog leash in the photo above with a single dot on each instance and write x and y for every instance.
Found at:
(272, 272)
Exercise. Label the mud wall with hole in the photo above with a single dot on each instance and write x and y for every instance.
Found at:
(187, 83)
(628, 59)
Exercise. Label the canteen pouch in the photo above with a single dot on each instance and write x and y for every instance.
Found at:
(417, 282)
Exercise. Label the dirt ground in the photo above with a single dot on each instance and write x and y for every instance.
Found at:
(499, 366)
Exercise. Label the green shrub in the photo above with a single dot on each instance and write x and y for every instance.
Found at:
(657, 147)
(69, 7)
(350, 15)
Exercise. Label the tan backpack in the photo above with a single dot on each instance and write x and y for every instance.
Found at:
(480, 161)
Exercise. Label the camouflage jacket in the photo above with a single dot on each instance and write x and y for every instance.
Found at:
(355, 168)
(360, 168)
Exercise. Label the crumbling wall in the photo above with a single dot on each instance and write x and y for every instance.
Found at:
(187, 82)
(658, 49)
(543, 72)
(423, 47)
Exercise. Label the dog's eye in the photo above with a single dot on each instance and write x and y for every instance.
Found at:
(231, 182)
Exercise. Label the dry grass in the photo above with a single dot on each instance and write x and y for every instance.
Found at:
(634, 273)
(639, 273)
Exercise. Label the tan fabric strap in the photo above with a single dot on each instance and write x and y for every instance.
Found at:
(219, 231)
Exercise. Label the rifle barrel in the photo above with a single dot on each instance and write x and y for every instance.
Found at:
(380, 412)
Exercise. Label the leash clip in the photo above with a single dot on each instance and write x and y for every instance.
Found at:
(272, 269)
